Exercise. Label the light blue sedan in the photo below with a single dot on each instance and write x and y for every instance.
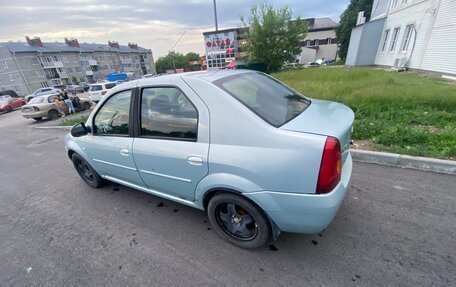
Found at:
(257, 156)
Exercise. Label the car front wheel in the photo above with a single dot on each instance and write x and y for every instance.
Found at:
(86, 172)
(239, 221)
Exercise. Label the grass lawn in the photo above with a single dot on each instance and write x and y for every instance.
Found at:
(397, 112)
(73, 121)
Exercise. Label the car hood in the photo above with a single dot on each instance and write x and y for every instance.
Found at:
(325, 118)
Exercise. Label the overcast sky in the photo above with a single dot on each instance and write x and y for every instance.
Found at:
(154, 24)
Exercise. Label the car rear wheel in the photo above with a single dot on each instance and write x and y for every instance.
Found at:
(53, 114)
(86, 106)
(86, 172)
(239, 221)
(38, 118)
(9, 109)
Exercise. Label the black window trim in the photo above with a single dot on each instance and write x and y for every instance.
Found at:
(138, 114)
(218, 83)
(130, 116)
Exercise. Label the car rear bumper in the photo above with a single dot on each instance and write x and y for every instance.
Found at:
(304, 213)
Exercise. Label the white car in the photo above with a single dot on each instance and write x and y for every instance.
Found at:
(97, 91)
(41, 92)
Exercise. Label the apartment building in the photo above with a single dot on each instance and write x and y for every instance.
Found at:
(409, 34)
(27, 66)
(320, 41)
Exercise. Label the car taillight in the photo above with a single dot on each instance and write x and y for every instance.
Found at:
(331, 166)
(104, 93)
(36, 108)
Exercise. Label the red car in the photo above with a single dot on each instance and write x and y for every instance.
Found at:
(8, 103)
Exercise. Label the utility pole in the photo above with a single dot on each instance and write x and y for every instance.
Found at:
(171, 52)
(215, 14)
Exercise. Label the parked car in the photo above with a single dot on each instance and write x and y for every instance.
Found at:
(41, 92)
(43, 107)
(257, 156)
(8, 103)
(85, 86)
(74, 89)
(10, 93)
(97, 91)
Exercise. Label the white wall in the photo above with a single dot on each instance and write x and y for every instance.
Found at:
(418, 14)
(440, 54)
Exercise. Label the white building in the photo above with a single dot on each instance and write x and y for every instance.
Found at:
(415, 34)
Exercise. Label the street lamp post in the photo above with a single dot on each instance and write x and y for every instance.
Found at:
(215, 15)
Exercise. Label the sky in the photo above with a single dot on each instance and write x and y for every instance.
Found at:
(154, 24)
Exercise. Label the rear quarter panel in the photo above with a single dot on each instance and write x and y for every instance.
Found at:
(247, 154)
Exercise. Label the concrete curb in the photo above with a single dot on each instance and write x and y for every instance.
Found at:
(405, 161)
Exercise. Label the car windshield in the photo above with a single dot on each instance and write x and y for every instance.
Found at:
(268, 98)
(96, 88)
(110, 85)
(4, 99)
(37, 100)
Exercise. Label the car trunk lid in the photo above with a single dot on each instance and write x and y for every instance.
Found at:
(325, 118)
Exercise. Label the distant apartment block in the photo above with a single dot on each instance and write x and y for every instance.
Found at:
(27, 66)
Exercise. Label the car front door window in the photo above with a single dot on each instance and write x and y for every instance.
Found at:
(113, 117)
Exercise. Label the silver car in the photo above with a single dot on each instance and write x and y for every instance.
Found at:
(257, 156)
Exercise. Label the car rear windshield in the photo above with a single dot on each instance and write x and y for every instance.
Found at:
(276, 103)
(95, 88)
(110, 85)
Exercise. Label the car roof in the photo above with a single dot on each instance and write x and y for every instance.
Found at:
(208, 75)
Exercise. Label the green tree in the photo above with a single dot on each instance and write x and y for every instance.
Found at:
(348, 22)
(192, 56)
(180, 60)
(272, 38)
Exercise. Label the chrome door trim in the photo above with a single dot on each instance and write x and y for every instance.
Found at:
(114, 164)
(166, 176)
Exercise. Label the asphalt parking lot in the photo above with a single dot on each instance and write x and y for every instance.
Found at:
(396, 227)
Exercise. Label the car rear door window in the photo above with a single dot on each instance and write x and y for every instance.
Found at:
(113, 117)
(167, 113)
(95, 88)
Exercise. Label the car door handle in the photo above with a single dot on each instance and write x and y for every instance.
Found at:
(124, 152)
(194, 160)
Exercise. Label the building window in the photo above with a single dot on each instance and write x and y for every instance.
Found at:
(40, 73)
(5, 65)
(407, 37)
(35, 61)
(394, 39)
(44, 84)
(317, 42)
(56, 82)
(385, 40)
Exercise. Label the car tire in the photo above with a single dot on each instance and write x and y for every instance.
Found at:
(86, 171)
(9, 109)
(38, 119)
(239, 221)
(86, 106)
(53, 115)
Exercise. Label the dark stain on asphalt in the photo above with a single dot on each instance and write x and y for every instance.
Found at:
(208, 228)
(126, 212)
(152, 211)
(150, 201)
(175, 210)
(314, 242)
(261, 269)
(133, 234)
(160, 204)
(320, 235)
(205, 221)
(358, 276)
(353, 280)
(110, 237)
(120, 267)
(273, 248)
(115, 189)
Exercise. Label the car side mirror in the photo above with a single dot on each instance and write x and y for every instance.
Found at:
(79, 130)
